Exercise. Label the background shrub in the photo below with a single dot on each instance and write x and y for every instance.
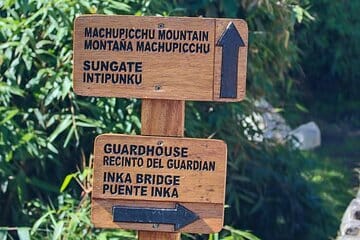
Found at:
(331, 48)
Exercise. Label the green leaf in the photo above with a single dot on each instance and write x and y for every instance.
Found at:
(9, 115)
(244, 234)
(136, 121)
(120, 6)
(47, 57)
(66, 181)
(228, 238)
(299, 13)
(108, 12)
(58, 230)
(5, 88)
(64, 124)
(83, 121)
(301, 108)
(28, 61)
(53, 94)
(27, 137)
(66, 86)
(68, 137)
(3, 234)
(23, 233)
(40, 221)
(87, 124)
(9, 156)
(8, 45)
(214, 236)
(40, 117)
(52, 148)
(43, 43)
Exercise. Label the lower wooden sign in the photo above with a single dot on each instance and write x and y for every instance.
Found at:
(159, 183)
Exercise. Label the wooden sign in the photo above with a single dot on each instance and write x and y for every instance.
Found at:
(174, 184)
(160, 58)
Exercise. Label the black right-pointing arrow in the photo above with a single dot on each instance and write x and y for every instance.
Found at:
(230, 41)
(179, 216)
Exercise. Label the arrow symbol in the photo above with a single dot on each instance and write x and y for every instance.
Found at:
(230, 41)
(179, 216)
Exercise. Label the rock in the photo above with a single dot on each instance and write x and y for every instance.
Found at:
(347, 238)
(275, 126)
(307, 136)
(350, 223)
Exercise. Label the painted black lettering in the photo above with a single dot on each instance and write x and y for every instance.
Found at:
(165, 192)
(106, 161)
(87, 44)
(86, 65)
(138, 67)
(184, 152)
(105, 188)
(88, 32)
(195, 36)
(107, 148)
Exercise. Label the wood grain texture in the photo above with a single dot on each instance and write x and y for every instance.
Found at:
(162, 118)
(242, 28)
(200, 176)
(148, 235)
(172, 116)
(174, 75)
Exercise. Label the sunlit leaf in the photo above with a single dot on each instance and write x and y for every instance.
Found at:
(59, 226)
(23, 233)
(301, 107)
(244, 234)
(66, 181)
(64, 124)
(9, 115)
(3, 234)
(40, 221)
(120, 6)
(52, 148)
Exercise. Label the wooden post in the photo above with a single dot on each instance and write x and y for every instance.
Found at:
(162, 118)
(147, 235)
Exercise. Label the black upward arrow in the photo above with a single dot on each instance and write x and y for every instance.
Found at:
(178, 216)
(230, 41)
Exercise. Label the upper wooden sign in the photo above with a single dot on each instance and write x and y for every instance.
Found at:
(176, 183)
(160, 57)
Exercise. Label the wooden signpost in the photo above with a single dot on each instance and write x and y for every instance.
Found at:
(160, 183)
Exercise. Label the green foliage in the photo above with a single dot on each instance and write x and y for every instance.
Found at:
(69, 220)
(277, 192)
(331, 50)
(46, 131)
(44, 127)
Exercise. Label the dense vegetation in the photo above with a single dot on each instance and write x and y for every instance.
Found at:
(331, 50)
(47, 132)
